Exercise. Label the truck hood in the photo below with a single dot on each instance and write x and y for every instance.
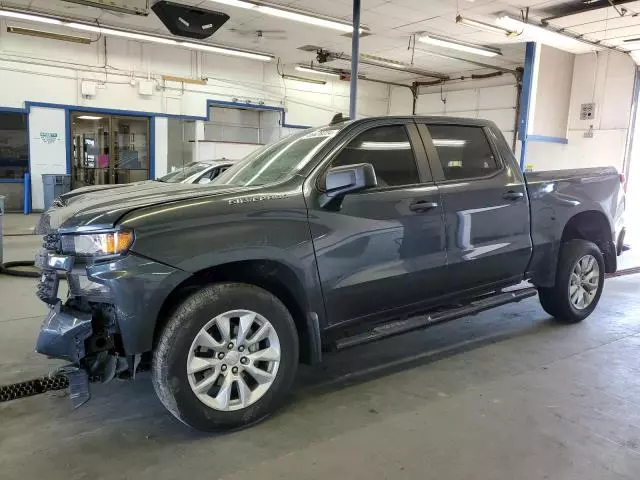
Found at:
(72, 196)
(103, 208)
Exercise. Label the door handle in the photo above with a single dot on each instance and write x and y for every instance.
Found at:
(422, 206)
(511, 195)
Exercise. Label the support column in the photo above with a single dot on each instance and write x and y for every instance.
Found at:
(355, 59)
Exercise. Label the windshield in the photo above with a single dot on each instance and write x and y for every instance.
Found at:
(181, 174)
(279, 160)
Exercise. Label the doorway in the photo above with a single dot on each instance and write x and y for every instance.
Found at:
(108, 149)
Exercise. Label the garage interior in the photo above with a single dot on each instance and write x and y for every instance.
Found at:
(107, 93)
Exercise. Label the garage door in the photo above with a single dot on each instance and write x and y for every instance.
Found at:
(497, 104)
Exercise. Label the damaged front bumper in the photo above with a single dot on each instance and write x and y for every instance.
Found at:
(108, 320)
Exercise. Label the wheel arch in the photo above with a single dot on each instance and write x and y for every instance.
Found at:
(275, 276)
(593, 226)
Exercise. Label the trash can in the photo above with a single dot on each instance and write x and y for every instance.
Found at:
(53, 186)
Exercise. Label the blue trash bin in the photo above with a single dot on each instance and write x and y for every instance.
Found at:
(53, 186)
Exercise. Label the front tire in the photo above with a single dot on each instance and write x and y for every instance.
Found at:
(579, 282)
(226, 358)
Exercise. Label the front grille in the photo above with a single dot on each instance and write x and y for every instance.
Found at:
(51, 242)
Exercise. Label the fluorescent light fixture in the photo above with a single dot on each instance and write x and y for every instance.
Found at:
(304, 79)
(31, 18)
(448, 142)
(289, 14)
(461, 46)
(85, 27)
(43, 34)
(120, 33)
(487, 27)
(302, 68)
(381, 62)
(300, 17)
(542, 35)
(385, 146)
(88, 117)
(227, 51)
(236, 3)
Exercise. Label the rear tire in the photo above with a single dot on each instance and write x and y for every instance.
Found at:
(240, 345)
(579, 282)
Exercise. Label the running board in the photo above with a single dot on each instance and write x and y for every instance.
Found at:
(423, 321)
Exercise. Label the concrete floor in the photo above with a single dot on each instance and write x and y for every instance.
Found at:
(508, 394)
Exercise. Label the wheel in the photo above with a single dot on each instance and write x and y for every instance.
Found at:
(579, 282)
(226, 358)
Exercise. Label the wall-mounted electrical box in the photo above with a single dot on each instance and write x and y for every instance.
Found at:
(587, 111)
(88, 89)
(145, 87)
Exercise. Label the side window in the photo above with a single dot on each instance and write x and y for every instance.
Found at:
(388, 149)
(216, 172)
(464, 151)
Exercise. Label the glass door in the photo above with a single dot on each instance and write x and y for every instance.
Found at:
(108, 149)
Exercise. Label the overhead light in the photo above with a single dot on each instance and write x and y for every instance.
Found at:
(542, 35)
(130, 7)
(304, 79)
(120, 33)
(448, 142)
(385, 146)
(290, 14)
(31, 18)
(302, 68)
(236, 3)
(53, 36)
(116, 32)
(88, 117)
(263, 57)
(461, 46)
(487, 27)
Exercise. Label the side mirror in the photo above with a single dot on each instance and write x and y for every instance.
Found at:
(347, 179)
(204, 181)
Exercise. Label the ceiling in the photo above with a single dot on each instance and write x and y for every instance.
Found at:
(392, 23)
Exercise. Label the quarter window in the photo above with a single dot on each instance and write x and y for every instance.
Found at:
(388, 149)
(464, 151)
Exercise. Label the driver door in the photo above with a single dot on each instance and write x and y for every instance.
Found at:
(382, 251)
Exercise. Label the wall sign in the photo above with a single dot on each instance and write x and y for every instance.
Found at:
(49, 137)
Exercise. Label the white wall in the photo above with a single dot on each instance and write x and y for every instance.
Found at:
(492, 99)
(42, 70)
(554, 79)
(231, 151)
(161, 145)
(605, 78)
(47, 148)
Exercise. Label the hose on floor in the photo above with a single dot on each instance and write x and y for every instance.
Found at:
(21, 268)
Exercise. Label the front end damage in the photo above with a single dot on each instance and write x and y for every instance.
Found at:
(104, 326)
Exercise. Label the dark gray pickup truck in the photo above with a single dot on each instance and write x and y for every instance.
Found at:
(327, 239)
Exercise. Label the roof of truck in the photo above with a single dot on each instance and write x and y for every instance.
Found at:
(430, 118)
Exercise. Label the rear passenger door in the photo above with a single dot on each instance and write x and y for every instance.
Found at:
(485, 205)
(382, 250)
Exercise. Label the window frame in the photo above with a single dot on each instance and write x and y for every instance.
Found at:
(425, 176)
(25, 114)
(434, 157)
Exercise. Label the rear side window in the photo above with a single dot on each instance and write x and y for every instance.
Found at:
(388, 149)
(464, 151)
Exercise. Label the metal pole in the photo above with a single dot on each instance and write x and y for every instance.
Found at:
(355, 56)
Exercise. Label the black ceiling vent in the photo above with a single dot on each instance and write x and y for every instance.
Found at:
(190, 22)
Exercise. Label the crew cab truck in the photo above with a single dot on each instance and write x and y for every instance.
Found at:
(327, 239)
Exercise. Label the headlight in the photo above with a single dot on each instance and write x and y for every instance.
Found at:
(98, 244)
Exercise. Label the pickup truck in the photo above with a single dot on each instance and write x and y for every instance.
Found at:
(330, 238)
